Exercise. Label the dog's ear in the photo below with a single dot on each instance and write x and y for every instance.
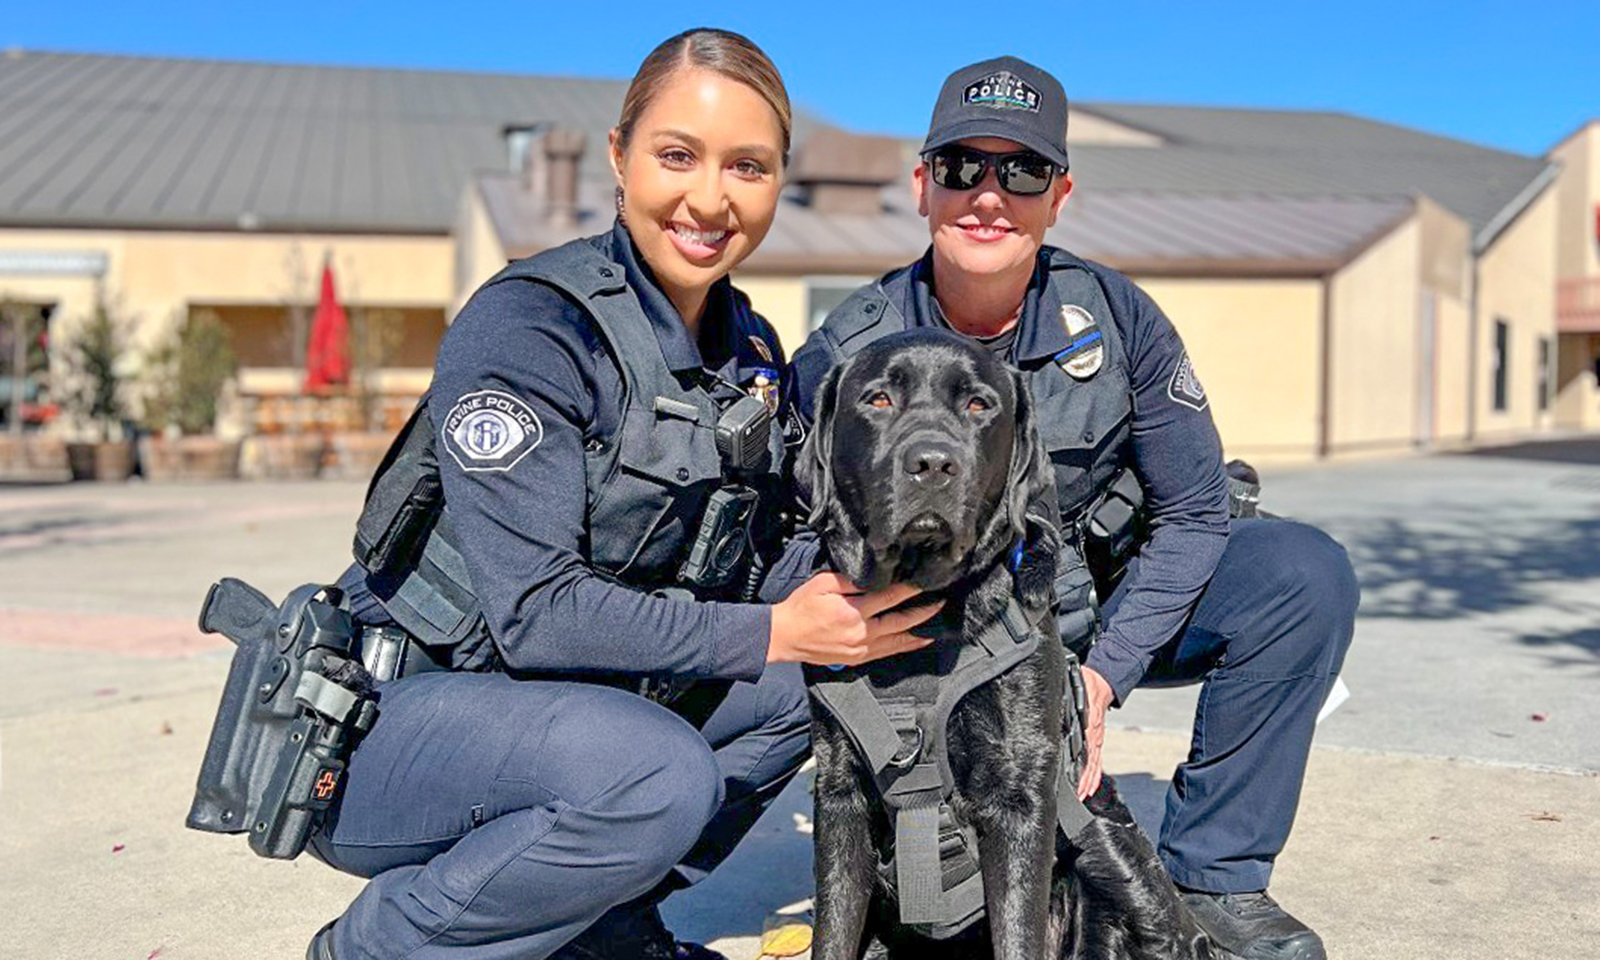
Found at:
(1031, 473)
(813, 469)
(1031, 505)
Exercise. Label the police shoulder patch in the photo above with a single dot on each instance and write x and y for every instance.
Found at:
(490, 430)
(1185, 387)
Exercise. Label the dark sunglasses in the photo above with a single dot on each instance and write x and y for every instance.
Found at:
(1023, 173)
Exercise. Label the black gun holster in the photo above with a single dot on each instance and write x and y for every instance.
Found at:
(295, 699)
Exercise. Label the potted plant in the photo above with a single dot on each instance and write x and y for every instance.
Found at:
(188, 374)
(95, 397)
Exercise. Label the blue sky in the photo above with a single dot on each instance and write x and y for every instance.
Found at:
(1514, 76)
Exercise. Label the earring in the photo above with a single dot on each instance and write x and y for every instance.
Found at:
(622, 217)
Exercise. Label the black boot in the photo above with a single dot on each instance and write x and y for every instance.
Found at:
(321, 947)
(631, 931)
(1251, 926)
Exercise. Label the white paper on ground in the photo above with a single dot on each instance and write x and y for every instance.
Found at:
(1337, 695)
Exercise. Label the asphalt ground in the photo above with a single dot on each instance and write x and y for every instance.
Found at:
(1452, 807)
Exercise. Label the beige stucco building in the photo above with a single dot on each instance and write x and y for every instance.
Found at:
(1577, 402)
(1346, 288)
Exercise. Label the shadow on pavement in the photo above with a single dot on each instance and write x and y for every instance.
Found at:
(1574, 648)
(1577, 450)
(1478, 565)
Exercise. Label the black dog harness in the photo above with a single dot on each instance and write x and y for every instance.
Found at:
(896, 713)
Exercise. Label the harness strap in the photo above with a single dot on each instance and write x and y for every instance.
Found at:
(864, 719)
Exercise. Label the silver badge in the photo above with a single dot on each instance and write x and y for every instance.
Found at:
(490, 430)
(1084, 356)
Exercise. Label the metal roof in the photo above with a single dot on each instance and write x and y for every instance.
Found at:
(1306, 153)
(1143, 231)
(89, 140)
(104, 141)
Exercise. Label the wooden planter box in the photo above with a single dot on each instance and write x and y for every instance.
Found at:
(189, 458)
(355, 455)
(284, 456)
(109, 461)
(33, 459)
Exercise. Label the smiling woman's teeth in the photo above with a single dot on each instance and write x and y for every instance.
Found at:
(703, 237)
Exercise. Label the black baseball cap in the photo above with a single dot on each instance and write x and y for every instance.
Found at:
(1004, 97)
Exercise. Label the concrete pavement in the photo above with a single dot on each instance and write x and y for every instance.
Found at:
(1452, 808)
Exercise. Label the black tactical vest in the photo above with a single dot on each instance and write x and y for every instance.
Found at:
(1085, 423)
(647, 483)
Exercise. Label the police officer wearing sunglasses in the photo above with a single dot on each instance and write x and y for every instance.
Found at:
(1260, 611)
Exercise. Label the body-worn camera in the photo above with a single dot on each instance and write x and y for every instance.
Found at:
(723, 547)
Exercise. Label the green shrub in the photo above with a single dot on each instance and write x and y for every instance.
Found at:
(189, 372)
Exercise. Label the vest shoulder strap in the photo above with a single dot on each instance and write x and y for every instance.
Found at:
(598, 284)
(866, 315)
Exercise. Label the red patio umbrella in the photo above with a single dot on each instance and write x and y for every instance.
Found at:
(328, 353)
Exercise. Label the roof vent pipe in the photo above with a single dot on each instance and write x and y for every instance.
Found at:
(563, 149)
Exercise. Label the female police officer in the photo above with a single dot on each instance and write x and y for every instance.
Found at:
(1261, 611)
(502, 806)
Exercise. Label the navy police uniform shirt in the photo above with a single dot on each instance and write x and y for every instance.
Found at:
(1176, 454)
(522, 525)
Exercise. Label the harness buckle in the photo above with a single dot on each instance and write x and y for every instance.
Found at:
(906, 759)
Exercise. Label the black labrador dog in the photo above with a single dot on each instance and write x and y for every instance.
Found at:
(924, 466)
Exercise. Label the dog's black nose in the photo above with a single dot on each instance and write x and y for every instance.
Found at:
(931, 463)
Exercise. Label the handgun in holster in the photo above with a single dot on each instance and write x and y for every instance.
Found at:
(295, 699)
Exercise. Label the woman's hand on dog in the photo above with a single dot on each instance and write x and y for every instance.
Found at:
(829, 621)
(1100, 696)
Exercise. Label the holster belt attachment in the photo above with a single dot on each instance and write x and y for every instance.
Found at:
(294, 700)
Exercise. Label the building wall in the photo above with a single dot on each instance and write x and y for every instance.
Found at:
(152, 278)
(1577, 406)
(1453, 369)
(1577, 402)
(782, 301)
(1255, 345)
(479, 253)
(1577, 192)
(1517, 283)
(1375, 357)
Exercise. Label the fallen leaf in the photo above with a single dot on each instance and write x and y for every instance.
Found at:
(118, 847)
(106, 692)
(166, 728)
(789, 940)
(155, 953)
(1539, 717)
(1546, 816)
(1433, 838)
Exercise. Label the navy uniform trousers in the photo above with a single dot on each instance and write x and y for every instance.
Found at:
(499, 818)
(1267, 639)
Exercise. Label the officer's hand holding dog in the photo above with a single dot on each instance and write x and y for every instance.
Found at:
(1100, 697)
(828, 620)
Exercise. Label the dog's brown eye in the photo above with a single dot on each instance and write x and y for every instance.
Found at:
(880, 400)
(977, 405)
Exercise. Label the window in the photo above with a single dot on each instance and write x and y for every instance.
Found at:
(823, 294)
(1544, 374)
(1502, 346)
